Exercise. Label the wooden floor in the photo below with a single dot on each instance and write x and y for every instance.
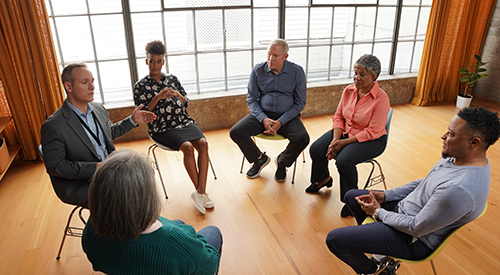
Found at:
(268, 227)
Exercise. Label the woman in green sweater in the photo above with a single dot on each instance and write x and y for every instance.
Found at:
(125, 233)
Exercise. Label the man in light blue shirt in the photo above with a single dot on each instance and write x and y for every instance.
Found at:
(276, 96)
(79, 135)
(416, 217)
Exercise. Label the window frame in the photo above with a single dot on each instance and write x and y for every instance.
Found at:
(282, 10)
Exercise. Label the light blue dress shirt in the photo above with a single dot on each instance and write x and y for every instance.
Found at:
(88, 118)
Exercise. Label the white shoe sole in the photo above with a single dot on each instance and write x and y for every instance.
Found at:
(208, 205)
(198, 207)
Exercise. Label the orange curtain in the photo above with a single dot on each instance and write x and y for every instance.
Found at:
(455, 32)
(28, 71)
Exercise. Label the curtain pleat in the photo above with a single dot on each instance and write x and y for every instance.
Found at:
(455, 32)
(28, 69)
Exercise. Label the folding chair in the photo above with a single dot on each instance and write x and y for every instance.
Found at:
(374, 180)
(433, 254)
(69, 230)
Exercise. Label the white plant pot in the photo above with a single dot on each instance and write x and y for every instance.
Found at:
(463, 101)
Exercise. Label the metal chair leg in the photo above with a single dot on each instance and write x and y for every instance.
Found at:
(71, 231)
(242, 163)
(295, 166)
(371, 181)
(433, 267)
(211, 166)
(152, 148)
(80, 215)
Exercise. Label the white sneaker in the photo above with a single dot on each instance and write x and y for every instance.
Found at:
(208, 203)
(198, 201)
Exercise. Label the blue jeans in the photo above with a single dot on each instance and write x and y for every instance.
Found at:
(212, 234)
(351, 243)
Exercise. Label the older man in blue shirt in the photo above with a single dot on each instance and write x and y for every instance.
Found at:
(276, 96)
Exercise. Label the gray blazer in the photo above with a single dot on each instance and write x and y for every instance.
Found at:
(68, 153)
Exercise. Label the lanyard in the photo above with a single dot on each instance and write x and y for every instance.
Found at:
(96, 137)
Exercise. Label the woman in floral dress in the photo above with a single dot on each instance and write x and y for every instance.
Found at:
(164, 95)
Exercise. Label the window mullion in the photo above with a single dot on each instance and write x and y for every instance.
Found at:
(167, 69)
(196, 54)
(353, 40)
(56, 35)
(252, 38)
(308, 48)
(129, 40)
(415, 37)
(101, 90)
(374, 29)
(395, 36)
(281, 20)
(224, 47)
(331, 45)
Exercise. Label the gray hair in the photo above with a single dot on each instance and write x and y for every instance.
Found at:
(279, 41)
(370, 63)
(123, 196)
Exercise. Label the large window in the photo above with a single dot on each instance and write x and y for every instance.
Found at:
(212, 45)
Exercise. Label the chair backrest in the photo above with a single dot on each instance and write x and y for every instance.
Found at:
(443, 243)
(438, 249)
(387, 127)
(388, 122)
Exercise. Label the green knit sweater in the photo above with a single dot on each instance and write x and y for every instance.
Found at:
(174, 248)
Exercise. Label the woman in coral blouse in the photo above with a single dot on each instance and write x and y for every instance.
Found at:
(358, 133)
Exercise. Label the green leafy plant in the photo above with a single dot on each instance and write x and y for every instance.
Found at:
(473, 73)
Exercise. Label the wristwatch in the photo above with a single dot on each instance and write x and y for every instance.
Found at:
(375, 214)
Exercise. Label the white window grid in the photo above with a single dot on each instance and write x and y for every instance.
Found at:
(213, 47)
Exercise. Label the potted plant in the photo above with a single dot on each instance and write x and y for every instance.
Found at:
(470, 75)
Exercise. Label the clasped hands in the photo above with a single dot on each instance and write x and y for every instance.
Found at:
(334, 148)
(167, 93)
(370, 202)
(271, 126)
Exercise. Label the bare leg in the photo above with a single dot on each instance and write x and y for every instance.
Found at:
(201, 146)
(187, 149)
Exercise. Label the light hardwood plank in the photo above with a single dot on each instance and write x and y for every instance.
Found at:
(268, 227)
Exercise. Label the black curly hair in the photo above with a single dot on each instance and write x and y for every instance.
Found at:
(155, 47)
(481, 122)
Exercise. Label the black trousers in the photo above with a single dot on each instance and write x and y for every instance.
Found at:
(249, 126)
(351, 243)
(346, 160)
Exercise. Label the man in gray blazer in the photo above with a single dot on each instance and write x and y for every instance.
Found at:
(78, 137)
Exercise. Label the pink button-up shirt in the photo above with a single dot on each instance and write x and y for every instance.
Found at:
(364, 119)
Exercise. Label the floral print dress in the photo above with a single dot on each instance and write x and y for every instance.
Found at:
(171, 112)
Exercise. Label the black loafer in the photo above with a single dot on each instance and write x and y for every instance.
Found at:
(313, 188)
(346, 212)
